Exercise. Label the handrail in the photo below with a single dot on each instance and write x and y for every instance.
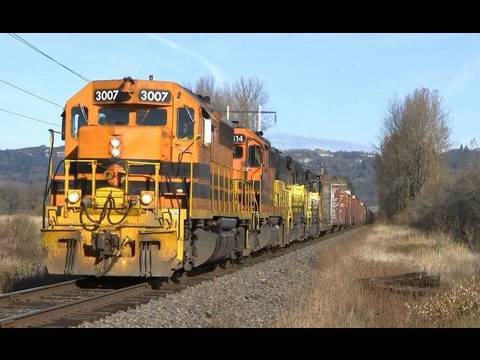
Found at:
(190, 200)
(237, 190)
(128, 163)
(49, 176)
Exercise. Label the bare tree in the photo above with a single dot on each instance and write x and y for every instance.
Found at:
(414, 134)
(248, 94)
(219, 96)
(205, 85)
(245, 94)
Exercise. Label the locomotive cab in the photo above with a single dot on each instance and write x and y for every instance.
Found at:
(249, 152)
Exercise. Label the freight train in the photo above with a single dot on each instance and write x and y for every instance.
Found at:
(155, 182)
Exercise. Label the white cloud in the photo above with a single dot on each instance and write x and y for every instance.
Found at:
(214, 69)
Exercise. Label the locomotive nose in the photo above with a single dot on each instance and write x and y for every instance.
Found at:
(97, 142)
(122, 142)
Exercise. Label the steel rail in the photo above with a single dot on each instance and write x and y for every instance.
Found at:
(50, 313)
(30, 294)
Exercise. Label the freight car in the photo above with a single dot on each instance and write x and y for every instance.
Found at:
(155, 182)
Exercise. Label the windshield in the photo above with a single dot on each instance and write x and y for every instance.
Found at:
(152, 117)
(254, 156)
(185, 123)
(238, 152)
(113, 116)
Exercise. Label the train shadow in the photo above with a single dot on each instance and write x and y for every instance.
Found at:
(42, 278)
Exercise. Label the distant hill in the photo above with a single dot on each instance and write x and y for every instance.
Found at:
(27, 165)
(356, 166)
(461, 158)
(285, 141)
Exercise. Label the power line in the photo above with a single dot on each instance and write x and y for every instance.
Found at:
(30, 93)
(25, 42)
(29, 117)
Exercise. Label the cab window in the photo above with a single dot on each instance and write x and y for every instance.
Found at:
(185, 118)
(152, 117)
(79, 119)
(108, 116)
(238, 152)
(254, 156)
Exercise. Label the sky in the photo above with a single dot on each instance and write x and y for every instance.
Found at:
(332, 87)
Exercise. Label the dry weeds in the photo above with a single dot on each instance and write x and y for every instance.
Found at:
(457, 307)
(338, 300)
(434, 253)
(21, 254)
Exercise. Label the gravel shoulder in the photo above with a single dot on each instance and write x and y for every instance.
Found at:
(252, 297)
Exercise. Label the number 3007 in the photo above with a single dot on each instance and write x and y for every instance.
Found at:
(106, 95)
(152, 95)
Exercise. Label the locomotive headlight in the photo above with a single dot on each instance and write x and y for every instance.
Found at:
(146, 198)
(73, 197)
(115, 142)
(115, 152)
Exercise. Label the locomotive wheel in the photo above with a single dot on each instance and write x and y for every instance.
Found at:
(155, 282)
(175, 278)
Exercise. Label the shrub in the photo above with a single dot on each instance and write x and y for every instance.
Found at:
(21, 254)
(453, 207)
(20, 198)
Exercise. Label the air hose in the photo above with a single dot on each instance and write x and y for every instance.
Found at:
(96, 223)
(106, 210)
(112, 206)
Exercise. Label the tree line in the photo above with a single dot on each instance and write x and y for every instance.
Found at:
(414, 183)
(18, 198)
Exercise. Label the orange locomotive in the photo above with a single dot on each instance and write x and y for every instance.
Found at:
(156, 181)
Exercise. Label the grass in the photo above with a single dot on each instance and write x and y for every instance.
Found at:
(458, 307)
(21, 255)
(338, 300)
(435, 252)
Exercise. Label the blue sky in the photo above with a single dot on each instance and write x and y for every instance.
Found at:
(326, 86)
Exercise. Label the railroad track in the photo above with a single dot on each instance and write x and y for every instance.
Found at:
(72, 302)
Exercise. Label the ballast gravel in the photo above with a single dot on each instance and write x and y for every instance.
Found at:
(251, 297)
